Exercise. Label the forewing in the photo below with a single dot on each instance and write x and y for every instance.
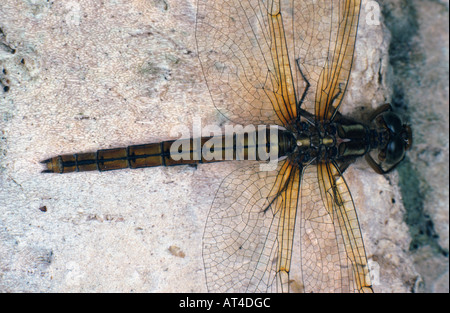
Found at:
(243, 48)
(333, 255)
(334, 77)
(247, 243)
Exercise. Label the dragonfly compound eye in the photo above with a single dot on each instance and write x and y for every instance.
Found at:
(393, 122)
(395, 150)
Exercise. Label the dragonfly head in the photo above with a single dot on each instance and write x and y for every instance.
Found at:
(395, 138)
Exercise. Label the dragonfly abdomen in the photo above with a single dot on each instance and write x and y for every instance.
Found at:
(136, 156)
(175, 152)
(107, 159)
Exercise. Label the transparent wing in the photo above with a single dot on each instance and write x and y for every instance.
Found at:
(332, 249)
(243, 52)
(247, 244)
(263, 59)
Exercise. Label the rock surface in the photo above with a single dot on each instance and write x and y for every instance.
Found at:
(80, 77)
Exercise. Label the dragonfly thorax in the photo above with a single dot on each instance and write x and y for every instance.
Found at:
(315, 143)
(330, 141)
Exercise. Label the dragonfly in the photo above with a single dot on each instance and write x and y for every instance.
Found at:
(286, 65)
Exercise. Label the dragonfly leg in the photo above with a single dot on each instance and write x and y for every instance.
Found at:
(343, 120)
(307, 115)
(283, 189)
(384, 108)
(308, 85)
(343, 166)
(336, 96)
(279, 193)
